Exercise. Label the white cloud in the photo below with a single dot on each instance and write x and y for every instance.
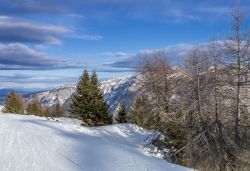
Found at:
(175, 54)
(19, 30)
(21, 57)
(88, 37)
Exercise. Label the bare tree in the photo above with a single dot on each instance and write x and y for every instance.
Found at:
(157, 81)
(204, 111)
(238, 50)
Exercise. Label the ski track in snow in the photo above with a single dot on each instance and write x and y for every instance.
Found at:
(30, 143)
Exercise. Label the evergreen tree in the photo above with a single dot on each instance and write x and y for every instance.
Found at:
(98, 105)
(81, 98)
(87, 102)
(121, 114)
(35, 108)
(14, 104)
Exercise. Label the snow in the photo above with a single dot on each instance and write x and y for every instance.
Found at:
(30, 143)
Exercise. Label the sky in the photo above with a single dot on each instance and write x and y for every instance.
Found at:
(47, 43)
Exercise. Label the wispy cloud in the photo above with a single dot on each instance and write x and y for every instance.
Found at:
(25, 31)
(25, 78)
(215, 10)
(19, 30)
(115, 55)
(21, 57)
(87, 37)
(160, 10)
(175, 54)
(179, 15)
(20, 7)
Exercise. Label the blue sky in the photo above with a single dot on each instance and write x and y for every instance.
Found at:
(45, 43)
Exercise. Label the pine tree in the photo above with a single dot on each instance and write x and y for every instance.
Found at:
(121, 114)
(87, 102)
(35, 108)
(14, 104)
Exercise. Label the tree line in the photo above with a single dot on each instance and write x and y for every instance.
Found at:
(14, 103)
(87, 104)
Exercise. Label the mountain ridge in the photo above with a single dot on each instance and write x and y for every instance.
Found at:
(115, 90)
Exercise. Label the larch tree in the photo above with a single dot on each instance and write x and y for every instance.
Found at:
(141, 113)
(35, 108)
(57, 110)
(238, 47)
(14, 104)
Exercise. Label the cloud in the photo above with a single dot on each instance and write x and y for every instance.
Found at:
(216, 10)
(25, 78)
(18, 30)
(21, 57)
(115, 55)
(175, 54)
(20, 7)
(149, 10)
(88, 37)
(24, 31)
(76, 16)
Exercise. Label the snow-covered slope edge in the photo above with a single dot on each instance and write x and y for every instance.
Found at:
(33, 143)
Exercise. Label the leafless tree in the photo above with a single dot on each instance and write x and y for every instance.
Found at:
(204, 109)
(237, 47)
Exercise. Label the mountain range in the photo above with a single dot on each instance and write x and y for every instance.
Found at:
(116, 91)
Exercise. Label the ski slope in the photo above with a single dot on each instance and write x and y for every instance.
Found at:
(30, 143)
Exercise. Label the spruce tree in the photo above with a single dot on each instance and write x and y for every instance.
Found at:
(98, 105)
(87, 102)
(14, 104)
(81, 99)
(121, 114)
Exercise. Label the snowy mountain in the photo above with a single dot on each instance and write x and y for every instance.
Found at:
(117, 90)
(34, 143)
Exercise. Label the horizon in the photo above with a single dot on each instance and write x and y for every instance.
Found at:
(45, 44)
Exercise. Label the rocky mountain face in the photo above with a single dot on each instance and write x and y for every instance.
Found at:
(117, 90)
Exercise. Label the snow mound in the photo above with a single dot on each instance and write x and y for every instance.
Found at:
(32, 143)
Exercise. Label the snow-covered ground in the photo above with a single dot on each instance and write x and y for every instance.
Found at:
(30, 143)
